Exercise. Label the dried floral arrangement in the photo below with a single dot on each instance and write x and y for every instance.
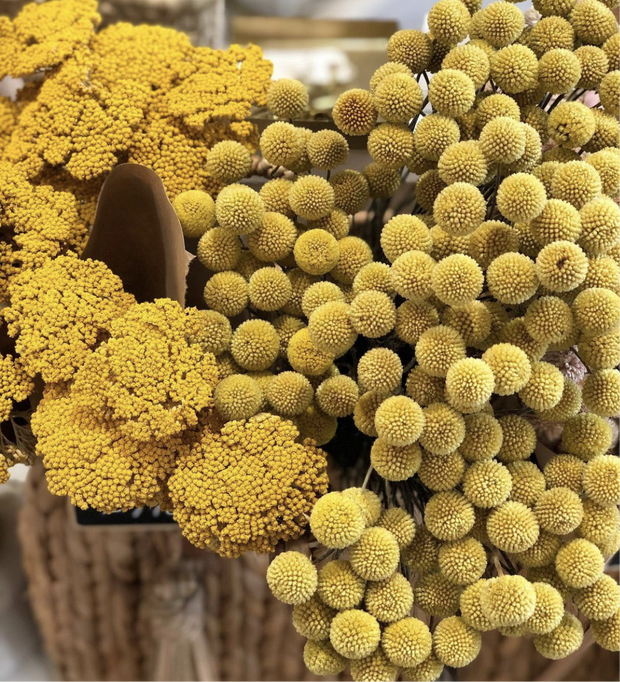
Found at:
(459, 363)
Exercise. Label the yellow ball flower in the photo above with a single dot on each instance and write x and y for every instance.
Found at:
(594, 65)
(576, 182)
(374, 277)
(434, 134)
(600, 524)
(281, 144)
(407, 642)
(561, 266)
(487, 484)
(571, 124)
(512, 527)
(472, 321)
(292, 578)
(496, 106)
(368, 501)
(512, 278)
(226, 293)
(354, 112)
(413, 319)
(337, 396)
(239, 208)
(316, 251)
(339, 587)
(311, 197)
(448, 21)
(469, 384)
(510, 366)
(519, 438)
(354, 255)
(438, 349)
(322, 659)
(327, 149)
(375, 555)
(382, 181)
(600, 352)
(274, 239)
(399, 421)
(455, 643)
(597, 311)
(444, 429)
(564, 471)
(586, 436)
(593, 22)
(562, 640)
(601, 392)
(380, 369)
(528, 482)
(336, 521)
(228, 161)
(608, 92)
(502, 140)
(389, 600)
(501, 23)
(521, 197)
(411, 275)
(600, 223)
(319, 293)
(508, 601)
(611, 48)
(559, 8)
(312, 619)
(428, 670)
(421, 555)
(559, 511)
(515, 68)
(290, 393)
(601, 480)
(463, 561)
(400, 523)
(274, 194)
(237, 397)
(330, 328)
(558, 221)
(219, 250)
(451, 92)
(411, 48)
(427, 189)
(388, 69)
(599, 601)
(390, 144)
(548, 612)
(544, 388)
(440, 473)
(424, 388)
(463, 162)
(471, 607)
(542, 552)
(457, 279)
(287, 98)
(269, 289)
(305, 356)
(404, 233)
(355, 634)
(559, 71)
(492, 239)
(470, 59)
(579, 563)
(483, 437)
(436, 595)
(373, 314)
(351, 191)
(449, 515)
(548, 319)
(459, 208)
(196, 212)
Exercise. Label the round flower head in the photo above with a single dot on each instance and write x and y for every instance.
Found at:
(510, 366)
(521, 197)
(601, 392)
(380, 369)
(312, 619)
(355, 634)
(395, 463)
(219, 250)
(226, 293)
(528, 482)
(463, 162)
(603, 272)
(322, 659)
(496, 106)
(565, 471)
(411, 48)
(492, 239)
(255, 345)
(337, 521)
(337, 396)
(563, 640)
(407, 642)
(600, 352)
(330, 328)
(515, 69)
(471, 607)
(463, 561)
(601, 480)
(559, 71)
(611, 48)
(608, 92)
(533, 151)
(455, 643)
(508, 600)
(373, 314)
(444, 429)
(470, 59)
(512, 278)
(390, 144)
(599, 523)
(600, 221)
(319, 293)
(548, 575)
(599, 601)
(542, 552)
(607, 165)
(195, 210)
(537, 119)
(593, 22)
(287, 98)
(368, 501)
(239, 208)
(548, 612)
(451, 92)
(457, 279)
(365, 410)
(483, 437)
(487, 484)
(389, 600)
(559, 511)
(449, 515)
(424, 388)
(404, 233)
(339, 587)
(354, 112)
(413, 319)
(398, 97)
(400, 523)
(438, 349)
(519, 438)
(350, 191)
(472, 321)
(304, 355)
(228, 161)
(544, 388)
(336, 223)
(561, 266)
(586, 436)
(545, 172)
(281, 144)
(421, 555)
(388, 69)
(430, 669)
(576, 182)
(512, 527)
(275, 196)
(327, 149)
(411, 275)
(292, 578)
(434, 134)
(375, 555)
(436, 595)
(579, 563)
(427, 189)
(311, 197)
(558, 221)
(237, 397)
(550, 33)
(316, 251)
(354, 255)
(382, 180)
(459, 208)
(214, 332)
(548, 319)
(571, 124)
(374, 277)
(501, 23)
(502, 140)
(469, 384)
(597, 311)
(448, 21)
(560, 8)
(399, 421)
(269, 289)
(289, 393)
(439, 473)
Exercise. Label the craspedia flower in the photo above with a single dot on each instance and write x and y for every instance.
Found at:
(472, 321)
(375, 555)
(483, 437)
(355, 634)
(600, 223)
(571, 124)
(560, 8)
(322, 659)
(609, 92)
(577, 183)
(274, 194)
(463, 561)
(427, 189)
(228, 161)
(561, 266)
(600, 600)
(421, 555)
(255, 345)
(501, 23)
(449, 515)
(510, 366)
(380, 369)
(514, 68)
(311, 197)
(441, 473)
(195, 210)
(548, 319)
(237, 397)
(339, 587)
(470, 59)
(593, 22)
(374, 277)
(374, 667)
(542, 552)
(469, 384)
(444, 429)
(390, 144)
(430, 669)
(451, 92)
(336, 521)
(385, 70)
(389, 600)
(434, 134)
(290, 393)
(600, 352)
(521, 197)
(579, 563)
(519, 438)
(528, 482)
(463, 162)
(533, 151)
(496, 106)
(411, 48)
(455, 643)
(424, 388)
(600, 523)
(269, 289)
(354, 255)
(330, 327)
(512, 527)
(411, 275)
(438, 349)
(448, 21)
(457, 279)
(399, 421)
(312, 619)
(611, 48)
(354, 112)
(565, 471)
(471, 607)
(404, 233)
(336, 223)
(316, 251)
(287, 98)
(350, 191)
(559, 511)
(413, 319)
(239, 208)
(281, 144)
(594, 65)
(548, 575)
(459, 208)
(558, 221)
(601, 480)
(226, 366)
(548, 612)
(365, 410)
(369, 502)
(319, 293)
(214, 332)
(382, 180)
(373, 314)
(487, 484)
(512, 278)
(607, 165)
(597, 311)
(601, 392)
(544, 388)
(292, 578)
(603, 272)
(400, 523)
(436, 595)
(508, 600)
(562, 641)
(407, 642)
(327, 149)
(537, 119)
(248, 263)
(305, 356)
(502, 140)
(492, 239)
(586, 436)
(337, 396)
(559, 71)
(551, 33)
(219, 250)
(545, 172)
(226, 293)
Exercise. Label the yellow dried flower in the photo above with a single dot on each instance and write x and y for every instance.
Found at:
(228, 161)
(269, 289)
(292, 578)
(304, 355)
(544, 389)
(459, 208)
(438, 349)
(374, 277)
(508, 601)
(599, 601)
(472, 321)
(219, 250)
(400, 523)
(502, 140)
(380, 369)
(319, 293)
(593, 22)
(337, 396)
(430, 669)
(389, 600)
(287, 98)
(390, 144)
(510, 366)
(608, 91)
(586, 436)
(600, 222)
(274, 194)
(316, 251)
(354, 255)
(515, 69)
(471, 607)
(512, 278)
(407, 642)
(281, 144)
(579, 563)
(561, 266)
(470, 59)
(487, 484)
(404, 233)
(594, 65)
(444, 429)
(327, 149)
(542, 552)
(483, 437)
(399, 421)
(336, 521)
(576, 182)
(355, 634)
(413, 319)
(496, 106)
(239, 208)
(398, 97)
(501, 23)
(434, 134)
(237, 397)
(375, 555)
(451, 92)
(448, 21)
(382, 181)
(521, 197)
(469, 384)
(339, 587)
(512, 527)
(411, 275)
(322, 659)
(601, 480)
(440, 473)
(336, 223)
(411, 48)
(463, 162)
(427, 189)
(601, 392)
(528, 482)
(492, 239)
(562, 640)
(351, 191)
(449, 515)
(463, 561)
(600, 352)
(372, 314)
(312, 619)
(354, 112)
(436, 595)
(311, 197)
(611, 48)
(455, 643)
(564, 471)
(196, 212)
(316, 425)
(255, 345)
(374, 667)
(330, 328)
(559, 511)
(290, 393)
(456, 279)
(597, 311)
(599, 523)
